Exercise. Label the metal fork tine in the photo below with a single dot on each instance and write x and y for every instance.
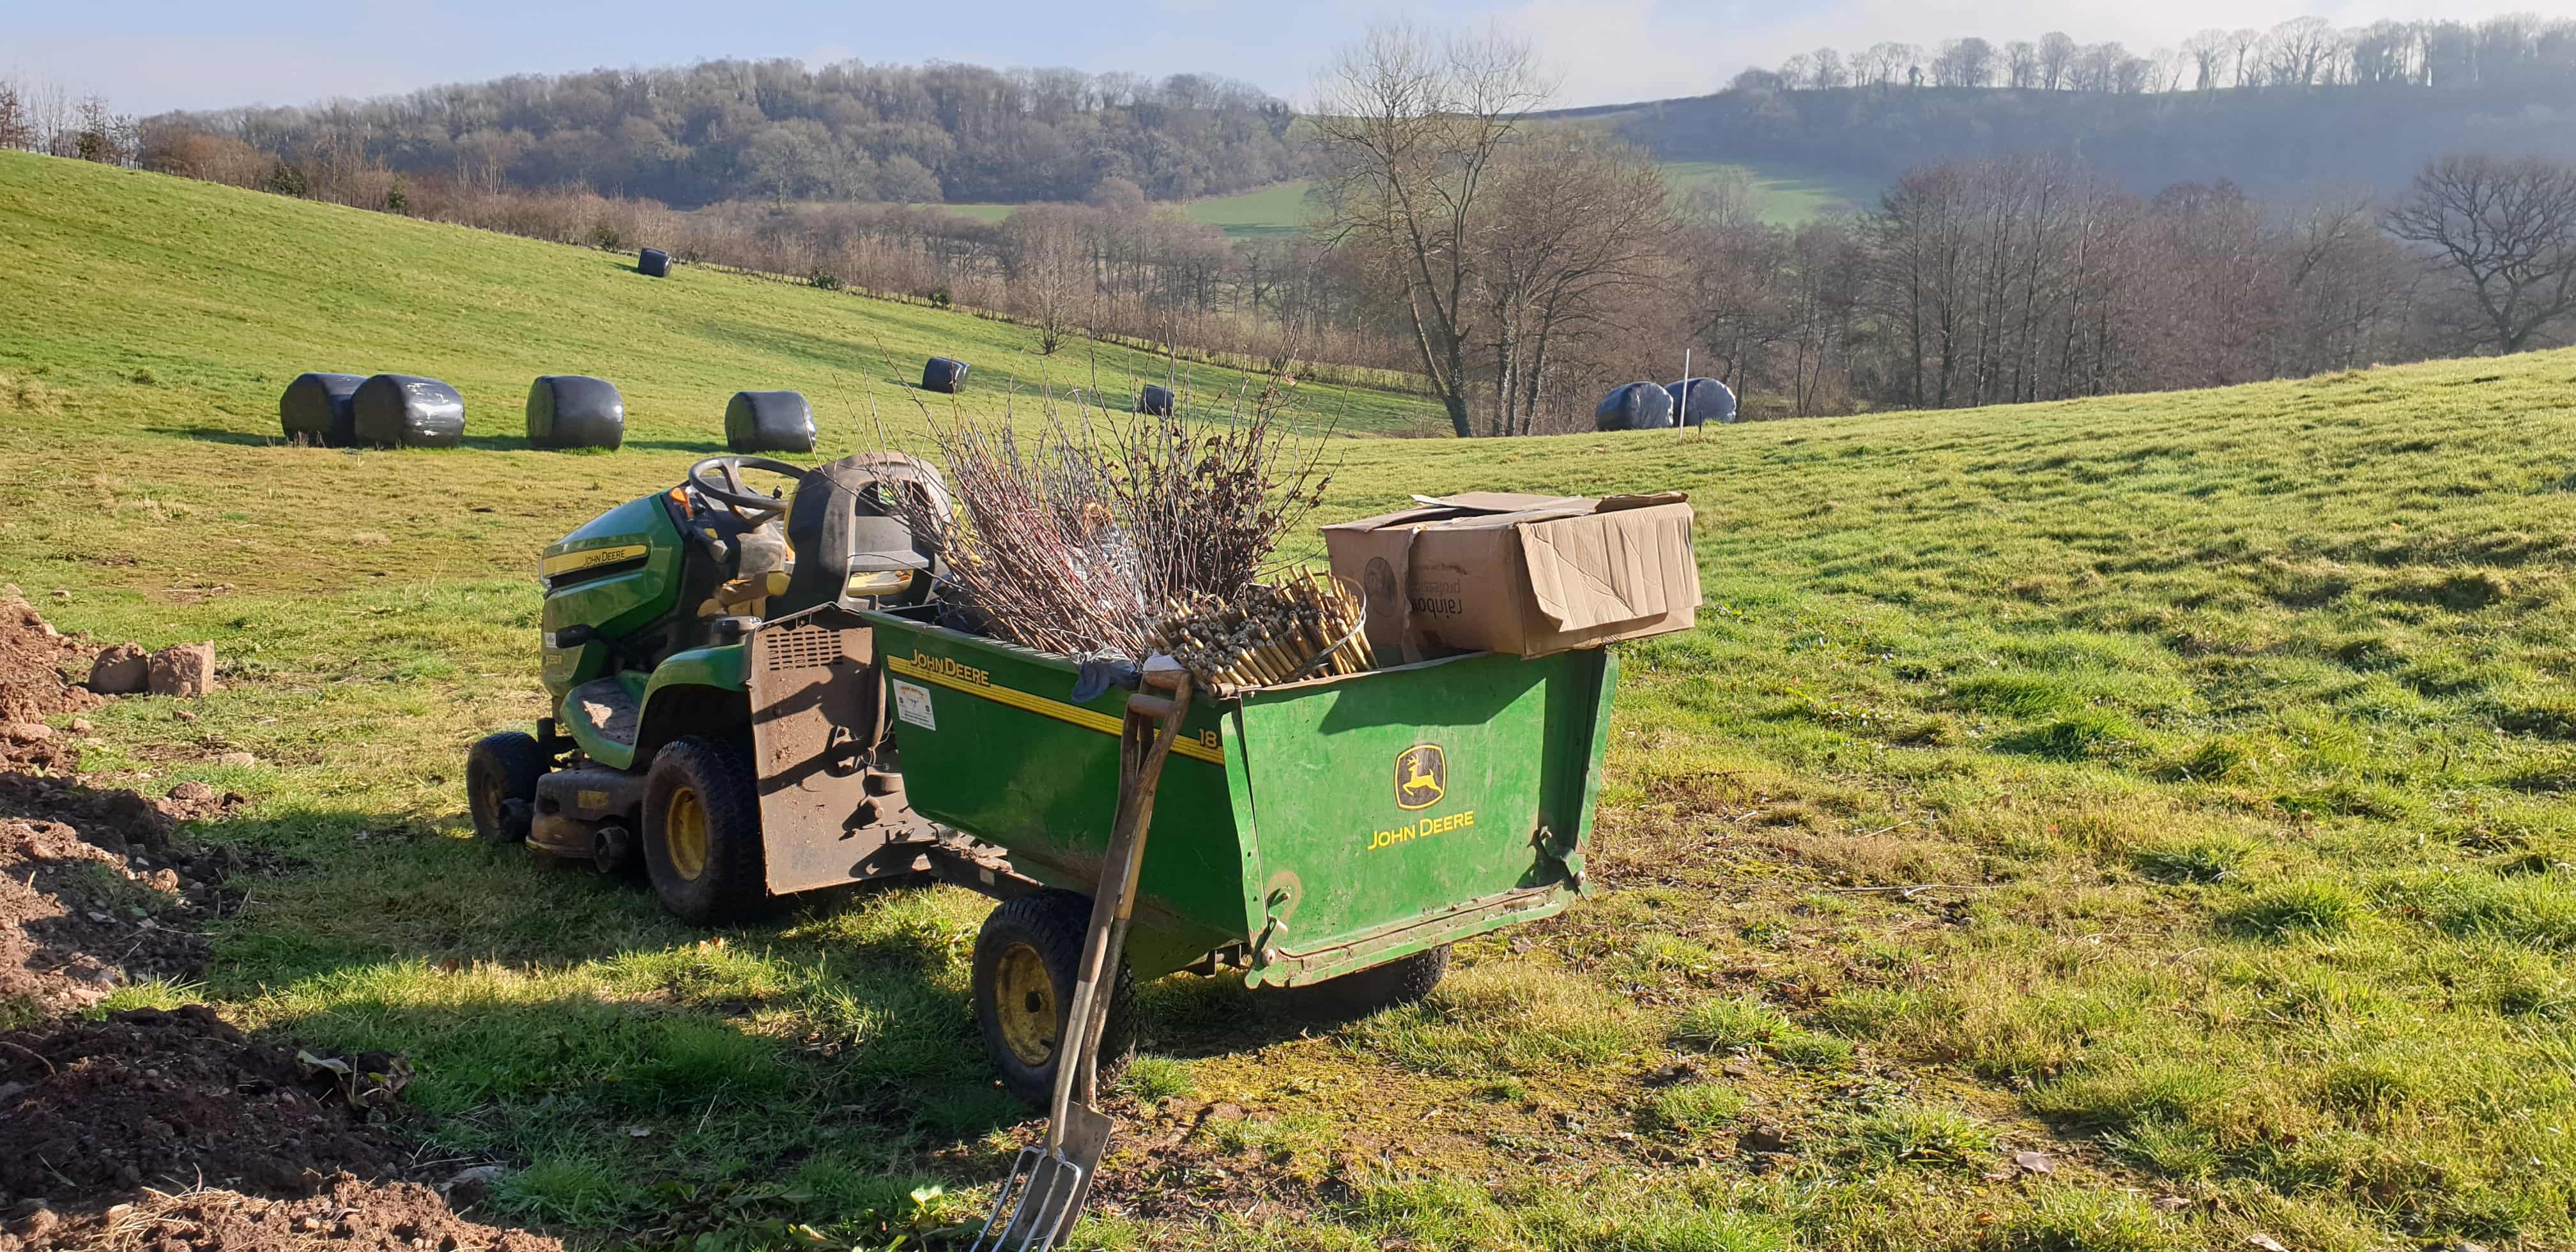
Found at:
(1023, 1169)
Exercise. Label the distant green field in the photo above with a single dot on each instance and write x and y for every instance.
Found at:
(1787, 194)
(1268, 213)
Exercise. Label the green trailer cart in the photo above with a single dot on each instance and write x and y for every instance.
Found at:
(1303, 833)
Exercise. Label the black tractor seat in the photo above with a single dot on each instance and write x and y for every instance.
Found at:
(850, 517)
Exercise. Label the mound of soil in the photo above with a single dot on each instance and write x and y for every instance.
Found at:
(33, 658)
(353, 1214)
(178, 1099)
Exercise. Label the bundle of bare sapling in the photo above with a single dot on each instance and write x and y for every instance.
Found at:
(1294, 628)
(1074, 536)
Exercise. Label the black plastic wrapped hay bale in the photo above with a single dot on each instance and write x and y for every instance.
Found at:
(1697, 400)
(769, 421)
(1637, 406)
(407, 411)
(1155, 402)
(943, 374)
(573, 411)
(316, 410)
(653, 263)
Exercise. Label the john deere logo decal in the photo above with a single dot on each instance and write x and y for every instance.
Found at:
(1421, 777)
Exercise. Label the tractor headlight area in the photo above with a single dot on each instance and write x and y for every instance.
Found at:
(881, 582)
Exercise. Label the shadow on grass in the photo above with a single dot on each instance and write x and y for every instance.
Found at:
(481, 443)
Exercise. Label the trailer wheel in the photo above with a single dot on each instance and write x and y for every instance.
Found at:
(1400, 981)
(1027, 958)
(501, 773)
(702, 832)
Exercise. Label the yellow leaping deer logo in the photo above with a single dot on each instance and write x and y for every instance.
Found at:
(1421, 776)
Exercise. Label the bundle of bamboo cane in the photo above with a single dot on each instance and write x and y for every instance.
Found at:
(1272, 633)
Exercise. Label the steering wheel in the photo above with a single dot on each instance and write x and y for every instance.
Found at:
(728, 489)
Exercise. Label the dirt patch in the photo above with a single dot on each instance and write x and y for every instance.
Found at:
(33, 660)
(353, 1214)
(95, 892)
(181, 1098)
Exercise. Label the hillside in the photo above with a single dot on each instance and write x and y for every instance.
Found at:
(2174, 787)
(2279, 141)
(220, 296)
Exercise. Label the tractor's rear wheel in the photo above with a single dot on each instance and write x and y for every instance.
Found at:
(501, 773)
(1027, 958)
(702, 832)
(1400, 981)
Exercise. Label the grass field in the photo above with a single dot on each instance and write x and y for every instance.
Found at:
(1784, 195)
(2171, 786)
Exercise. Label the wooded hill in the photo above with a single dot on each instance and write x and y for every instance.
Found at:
(721, 130)
(2368, 138)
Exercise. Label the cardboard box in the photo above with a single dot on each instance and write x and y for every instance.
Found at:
(1529, 575)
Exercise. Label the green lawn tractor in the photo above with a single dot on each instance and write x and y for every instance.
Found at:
(758, 694)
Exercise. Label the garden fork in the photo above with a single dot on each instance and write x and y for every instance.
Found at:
(1040, 1201)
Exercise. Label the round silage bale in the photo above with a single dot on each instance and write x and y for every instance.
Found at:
(407, 411)
(942, 374)
(1636, 406)
(1698, 400)
(575, 411)
(315, 409)
(1156, 401)
(653, 263)
(769, 421)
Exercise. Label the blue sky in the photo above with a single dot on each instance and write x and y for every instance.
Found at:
(151, 55)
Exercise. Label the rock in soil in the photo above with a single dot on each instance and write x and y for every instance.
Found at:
(120, 670)
(185, 669)
(353, 1214)
(172, 1100)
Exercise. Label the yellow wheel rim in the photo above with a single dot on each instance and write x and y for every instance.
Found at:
(1024, 1003)
(684, 833)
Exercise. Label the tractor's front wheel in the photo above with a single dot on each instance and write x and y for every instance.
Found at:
(1027, 959)
(501, 773)
(702, 832)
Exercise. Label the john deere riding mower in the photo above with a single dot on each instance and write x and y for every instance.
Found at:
(717, 717)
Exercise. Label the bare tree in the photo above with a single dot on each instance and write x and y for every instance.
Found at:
(2208, 52)
(2240, 51)
(2057, 53)
(1578, 224)
(2021, 64)
(1410, 125)
(1830, 72)
(1052, 278)
(1968, 62)
(17, 125)
(2508, 230)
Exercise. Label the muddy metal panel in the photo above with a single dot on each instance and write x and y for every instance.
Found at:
(993, 744)
(1419, 805)
(813, 720)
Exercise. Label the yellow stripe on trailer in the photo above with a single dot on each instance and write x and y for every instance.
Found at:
(1204, 749)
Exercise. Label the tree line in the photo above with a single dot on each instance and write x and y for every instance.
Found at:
(2518, 50)
(775, 130)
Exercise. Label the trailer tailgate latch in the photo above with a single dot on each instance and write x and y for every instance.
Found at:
(1567, 852)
